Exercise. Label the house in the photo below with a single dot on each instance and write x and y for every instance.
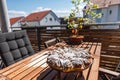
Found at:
(15, 22)
(41, 18)
(62, 20)
(110, 10)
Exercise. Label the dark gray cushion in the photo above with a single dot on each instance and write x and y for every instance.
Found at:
(23, 51)
(4, 47)
(12, 45)
(30, 49)
(2, 38)
(26, 40)
(16, 54)
(20, 43)
(8, 58)
(15, 46)
(20, 34)
(10, 36)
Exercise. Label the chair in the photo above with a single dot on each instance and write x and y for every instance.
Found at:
(110, 75)
(14, 46)
(51, 42)
(2, 65)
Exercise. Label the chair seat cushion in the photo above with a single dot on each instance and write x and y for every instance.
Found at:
(15, 46)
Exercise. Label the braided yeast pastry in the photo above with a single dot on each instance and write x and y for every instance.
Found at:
(69, 59)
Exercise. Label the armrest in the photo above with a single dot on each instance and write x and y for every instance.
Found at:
(109, 72)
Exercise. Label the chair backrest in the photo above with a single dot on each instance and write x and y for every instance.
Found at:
(51, 42)
(14, 46)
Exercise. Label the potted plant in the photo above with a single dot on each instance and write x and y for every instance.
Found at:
(75, 23)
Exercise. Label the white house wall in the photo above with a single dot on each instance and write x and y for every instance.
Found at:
(114, 14)
(104, 15)
(112, 17)
(119, 12)
(35, 23)
(46, 20)
(17, 24)
(108, 16)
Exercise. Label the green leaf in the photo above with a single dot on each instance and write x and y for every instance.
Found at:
(73, 1)
(85, 0)
(95, 6)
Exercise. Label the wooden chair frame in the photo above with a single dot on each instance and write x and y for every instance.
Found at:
(56, 40)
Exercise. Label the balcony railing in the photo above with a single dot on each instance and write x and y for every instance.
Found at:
(110, 39)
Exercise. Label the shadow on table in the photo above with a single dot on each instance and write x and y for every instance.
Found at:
(50, 74)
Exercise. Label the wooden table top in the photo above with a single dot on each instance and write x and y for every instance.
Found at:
(36, 68)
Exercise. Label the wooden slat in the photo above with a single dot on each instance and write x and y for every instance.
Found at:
(109, 72)
(21, 63)
(95, 65)
(31, 69)
(85, 73)
(42, 74)
(34, 73)
(26, 67)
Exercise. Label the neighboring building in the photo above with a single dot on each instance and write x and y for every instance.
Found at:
(62, 20)
(15, 22)
(110, 10)
(41, 18)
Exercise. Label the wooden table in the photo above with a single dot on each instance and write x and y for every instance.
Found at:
(35, 67)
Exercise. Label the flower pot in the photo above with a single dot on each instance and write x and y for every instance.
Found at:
(76, 40)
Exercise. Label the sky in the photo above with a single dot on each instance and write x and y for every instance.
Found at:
(24, 7)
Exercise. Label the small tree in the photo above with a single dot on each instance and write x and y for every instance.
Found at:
(74, 21)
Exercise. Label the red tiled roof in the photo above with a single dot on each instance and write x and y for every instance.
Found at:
(13, 20)
(105, 3)
(37, 16)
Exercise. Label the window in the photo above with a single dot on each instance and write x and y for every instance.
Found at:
(55, 19)
(110, 12)
(50, 19)
(46, 19)
(102, 14)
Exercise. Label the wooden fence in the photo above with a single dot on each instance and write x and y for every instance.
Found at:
(38, 35)
(110, 39)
